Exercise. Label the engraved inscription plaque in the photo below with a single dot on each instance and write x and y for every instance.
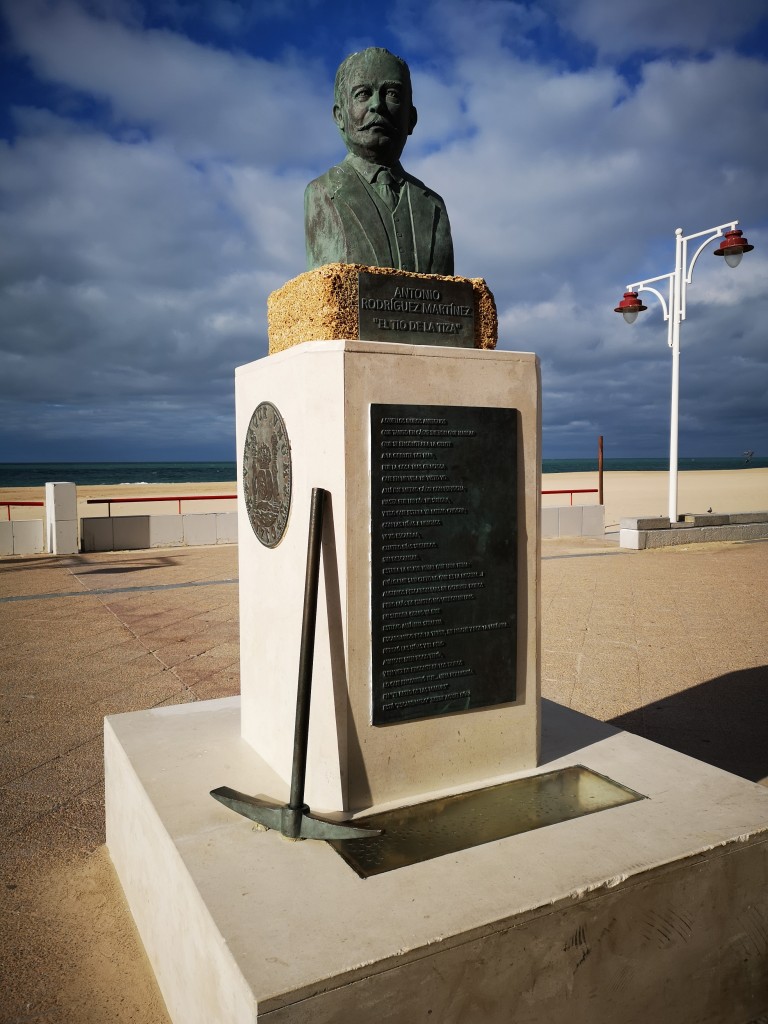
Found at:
(443, 559)
(267, 474)
(393, 307)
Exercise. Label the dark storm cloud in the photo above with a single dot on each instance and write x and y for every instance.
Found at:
(152, 199)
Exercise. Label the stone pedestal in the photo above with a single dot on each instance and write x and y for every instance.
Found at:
(325, 303)
(61, 516)
(651, 911)
(324, 391)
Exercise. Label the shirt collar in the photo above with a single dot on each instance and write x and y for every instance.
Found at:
(369, 170)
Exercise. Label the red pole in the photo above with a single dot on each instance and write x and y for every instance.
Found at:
(600, 470)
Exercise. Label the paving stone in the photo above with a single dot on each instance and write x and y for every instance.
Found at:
(671, 644)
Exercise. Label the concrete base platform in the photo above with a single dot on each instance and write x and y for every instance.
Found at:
(641, 532)
(654, 911)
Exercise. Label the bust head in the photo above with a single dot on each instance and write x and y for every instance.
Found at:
(373, 107)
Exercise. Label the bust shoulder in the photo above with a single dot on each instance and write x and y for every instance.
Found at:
(430, 193)
(333, 181)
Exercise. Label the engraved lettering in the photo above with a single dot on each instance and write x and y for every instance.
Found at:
(442, 603)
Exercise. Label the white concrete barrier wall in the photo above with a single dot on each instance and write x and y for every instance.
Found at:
(130, 533)
(573, 521)
(22, 537)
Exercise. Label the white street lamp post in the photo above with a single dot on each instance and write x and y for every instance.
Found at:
(733, 248)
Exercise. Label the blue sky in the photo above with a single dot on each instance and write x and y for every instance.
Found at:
(153, 157)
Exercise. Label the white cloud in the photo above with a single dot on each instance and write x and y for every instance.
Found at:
(618, 30)
(139, 248)
(208, 103)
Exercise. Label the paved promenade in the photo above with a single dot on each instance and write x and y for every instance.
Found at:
(671, 644)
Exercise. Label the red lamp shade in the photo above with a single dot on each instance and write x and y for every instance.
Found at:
(733, 248)
(630, 306)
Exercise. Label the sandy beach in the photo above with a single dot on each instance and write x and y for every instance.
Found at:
(636, 494)
(120, 492)
(625, 494)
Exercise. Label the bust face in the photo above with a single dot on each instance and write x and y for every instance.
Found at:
(375, 114)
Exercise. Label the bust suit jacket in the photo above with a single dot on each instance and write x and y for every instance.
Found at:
(346, 221)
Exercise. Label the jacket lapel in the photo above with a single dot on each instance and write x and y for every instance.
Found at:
(423, 218)
(353, 194)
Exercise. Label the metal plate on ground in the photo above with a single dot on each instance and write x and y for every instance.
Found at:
(443, 559)
(440, 827)
(393, 307)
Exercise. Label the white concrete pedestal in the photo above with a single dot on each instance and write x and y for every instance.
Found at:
(656, 911)
(324, 391)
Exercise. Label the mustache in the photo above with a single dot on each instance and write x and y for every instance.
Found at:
(376, 122)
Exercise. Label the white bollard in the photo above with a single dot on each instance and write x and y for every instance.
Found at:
(61, 517)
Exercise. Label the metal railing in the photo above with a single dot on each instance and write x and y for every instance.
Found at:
(109, 502)
(574, 490)
(13, 504)
(222, 497)
(8, 505)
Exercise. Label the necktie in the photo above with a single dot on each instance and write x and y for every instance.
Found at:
(386, 186)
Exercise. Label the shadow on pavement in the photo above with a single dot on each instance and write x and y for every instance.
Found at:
(723, 722)
(125, 566)
(83, 565)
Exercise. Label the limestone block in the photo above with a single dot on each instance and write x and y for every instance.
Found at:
(550, 522)
(226, 527)
(323, 303)
(706, 519)
(748, 517)
(6, 538)
(28, 537)
(199, 529)
(750, 531)
(634, 539)
(571, 520)
(96, 534)
(165, 531)
(707, 534)
(130, 532)
(645, 523)
(593, 520)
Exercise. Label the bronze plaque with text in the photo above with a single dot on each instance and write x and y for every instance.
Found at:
(443, 559)
(393, 307)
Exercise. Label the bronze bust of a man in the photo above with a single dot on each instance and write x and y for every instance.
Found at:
(367, 209)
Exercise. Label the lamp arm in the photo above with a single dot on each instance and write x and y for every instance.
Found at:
(666, 304)
(708, 231)
(718, 233)
(657, 293)
(644, 286)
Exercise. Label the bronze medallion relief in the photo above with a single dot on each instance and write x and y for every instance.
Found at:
(267, 474)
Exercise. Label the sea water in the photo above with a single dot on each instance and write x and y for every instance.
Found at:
(35, 474)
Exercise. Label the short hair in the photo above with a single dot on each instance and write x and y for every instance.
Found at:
(344, 70)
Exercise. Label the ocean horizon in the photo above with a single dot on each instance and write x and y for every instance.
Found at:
(35, 474)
